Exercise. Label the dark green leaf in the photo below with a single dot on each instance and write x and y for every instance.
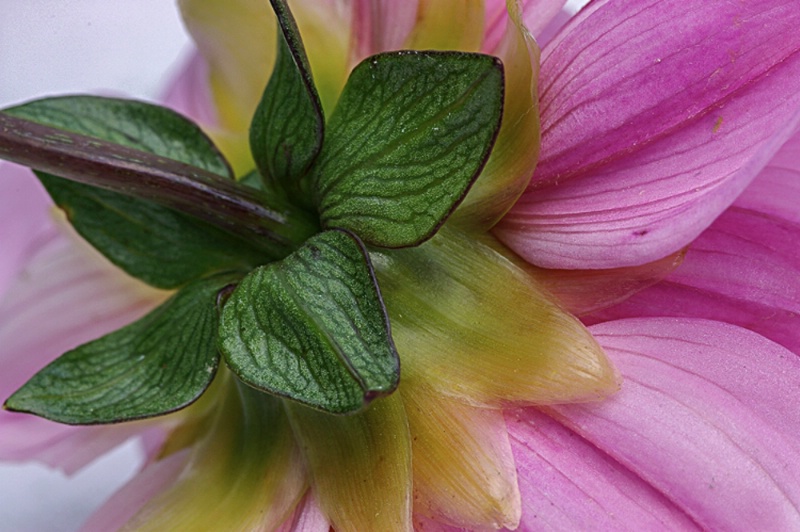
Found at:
(159, 245)
(156, 365)
(287, 129)
(411, 132)
(313, 327)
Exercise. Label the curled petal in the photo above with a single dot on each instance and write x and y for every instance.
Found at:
(744, 268)
(464, 314)
(243, 471)
(706, 417)
(567, 484)
(641, 151)
(464, 472)
(360, 465)
(516, 149)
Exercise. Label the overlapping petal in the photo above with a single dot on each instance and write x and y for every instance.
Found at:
(464, 472)
(359, 465)
(703, 418)
(243, 471)
(744, 268)
(537, 15)
(463, 313)
(641, 151)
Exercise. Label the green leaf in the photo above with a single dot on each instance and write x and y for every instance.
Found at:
(287, 129)
(411, 132)
(313, 327)
(159, 245)
(156, 365)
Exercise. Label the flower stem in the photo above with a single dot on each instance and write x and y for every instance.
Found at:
(236, 208)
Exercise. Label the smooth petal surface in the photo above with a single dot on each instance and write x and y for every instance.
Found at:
(380, 26)
(744, 268)
(243, 472)
(447, 25)
(464, 472)
(567, 484)
(463, 314)
(360, 465)
(703, 417)
(24, 218)
(641, 151)
(516, 149)
(39, 321)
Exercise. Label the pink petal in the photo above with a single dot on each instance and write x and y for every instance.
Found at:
(537, 15)
(566, 484)
(745, 268)
(641, 151)
(39, 321)
(189, 92)
(706, 416)
(381, 25)
(24, 218)
(126, 502)
(307, 517)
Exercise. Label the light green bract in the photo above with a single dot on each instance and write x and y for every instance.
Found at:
(275, 275)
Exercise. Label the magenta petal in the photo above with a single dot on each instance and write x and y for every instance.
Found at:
(566, 484)
(744, 269)
(641, 151)
(707, 416)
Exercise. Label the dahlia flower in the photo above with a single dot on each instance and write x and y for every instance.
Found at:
(602, 335)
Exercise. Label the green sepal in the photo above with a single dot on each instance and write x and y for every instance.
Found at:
(288, 126)
(410, 134)
(313, 327)
(156, 365)
(161, 246)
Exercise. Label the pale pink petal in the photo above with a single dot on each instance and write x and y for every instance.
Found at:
(307, 517)
(189, 92)
(707, 416)
(745, 268)
(66, 296)
(641, 151)
(25, 224)
(566, 484)
(537, 15)
(381, 25)
(126, 502)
